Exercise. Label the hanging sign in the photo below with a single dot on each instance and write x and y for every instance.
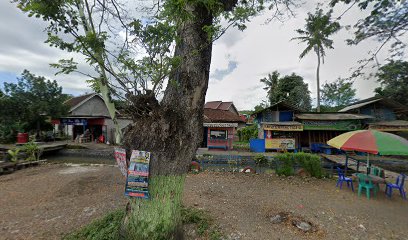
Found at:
(120, 156)
(137, 181)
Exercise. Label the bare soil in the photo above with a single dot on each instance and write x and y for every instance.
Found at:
(51, 200)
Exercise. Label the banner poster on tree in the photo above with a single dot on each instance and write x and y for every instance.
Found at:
(137, 181)
(120, 156)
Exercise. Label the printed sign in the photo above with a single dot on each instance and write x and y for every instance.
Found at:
(275, 127)
(74, 121)
(331, 125)
(137, 181)
(120, 156)
(280, 143)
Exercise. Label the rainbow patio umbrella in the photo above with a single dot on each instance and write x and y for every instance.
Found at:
(371, 141)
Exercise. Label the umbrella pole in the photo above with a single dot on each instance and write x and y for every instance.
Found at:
(368, 163)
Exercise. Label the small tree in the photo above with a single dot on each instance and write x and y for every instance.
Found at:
(338, 94)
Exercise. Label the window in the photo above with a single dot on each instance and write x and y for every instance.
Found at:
(218, 134)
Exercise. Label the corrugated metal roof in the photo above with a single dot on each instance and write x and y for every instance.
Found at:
(358, 105)
(291, 123)
(225, 105)
(391, 123)
(73, 102)
(331, 116)
(218, 115)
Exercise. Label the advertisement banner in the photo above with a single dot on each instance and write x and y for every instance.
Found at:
(137, 181)
(280, 143)
(120, 157)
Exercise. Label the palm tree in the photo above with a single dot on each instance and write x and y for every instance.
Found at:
(271, 83)
(316, 34)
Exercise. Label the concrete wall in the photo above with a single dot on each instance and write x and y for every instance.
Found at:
(93, 107)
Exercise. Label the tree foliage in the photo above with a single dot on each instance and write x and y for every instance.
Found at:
(29, 102)
(318, 28)
(393, 78)
(289, 88)
(339, 93)
(386, 23)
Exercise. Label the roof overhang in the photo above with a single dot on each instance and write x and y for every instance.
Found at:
(220, 124)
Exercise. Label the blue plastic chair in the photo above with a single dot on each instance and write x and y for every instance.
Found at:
(399, 184)
(343, 178)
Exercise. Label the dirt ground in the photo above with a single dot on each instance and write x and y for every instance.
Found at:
(49, 201)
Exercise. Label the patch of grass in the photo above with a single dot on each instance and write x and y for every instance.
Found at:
(105, 228)
(204, 223)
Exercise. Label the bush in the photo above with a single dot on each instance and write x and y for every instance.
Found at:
(285, 164)
(246, 133)
(33, 151)
(309, 162)
(243, 146)
(260, 159)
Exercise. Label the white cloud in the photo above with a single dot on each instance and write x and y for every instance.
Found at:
(258, 50)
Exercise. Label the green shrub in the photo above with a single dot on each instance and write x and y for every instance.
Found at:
(33, 151)
(246, 133)
(241, 146)
(260, 159)
(311, 163)
(285, 164)
(13, 154)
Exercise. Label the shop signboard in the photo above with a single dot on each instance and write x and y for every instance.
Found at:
(280, 143)
(287, 128)
(137, 181)
(342, 125)
(385, 128)
(74, 121)
(120, 156)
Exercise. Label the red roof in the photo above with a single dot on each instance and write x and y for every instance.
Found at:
(217, 115)
(212, 105)
(225, 105)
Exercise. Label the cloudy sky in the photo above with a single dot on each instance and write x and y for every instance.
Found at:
(240, 59)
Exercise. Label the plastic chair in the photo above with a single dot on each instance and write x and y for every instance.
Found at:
(364, 181)
(342, 178)
(375, 171)
(399, 184)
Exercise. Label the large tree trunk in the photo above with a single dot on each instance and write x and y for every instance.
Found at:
(171, 131)
(318, 80)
